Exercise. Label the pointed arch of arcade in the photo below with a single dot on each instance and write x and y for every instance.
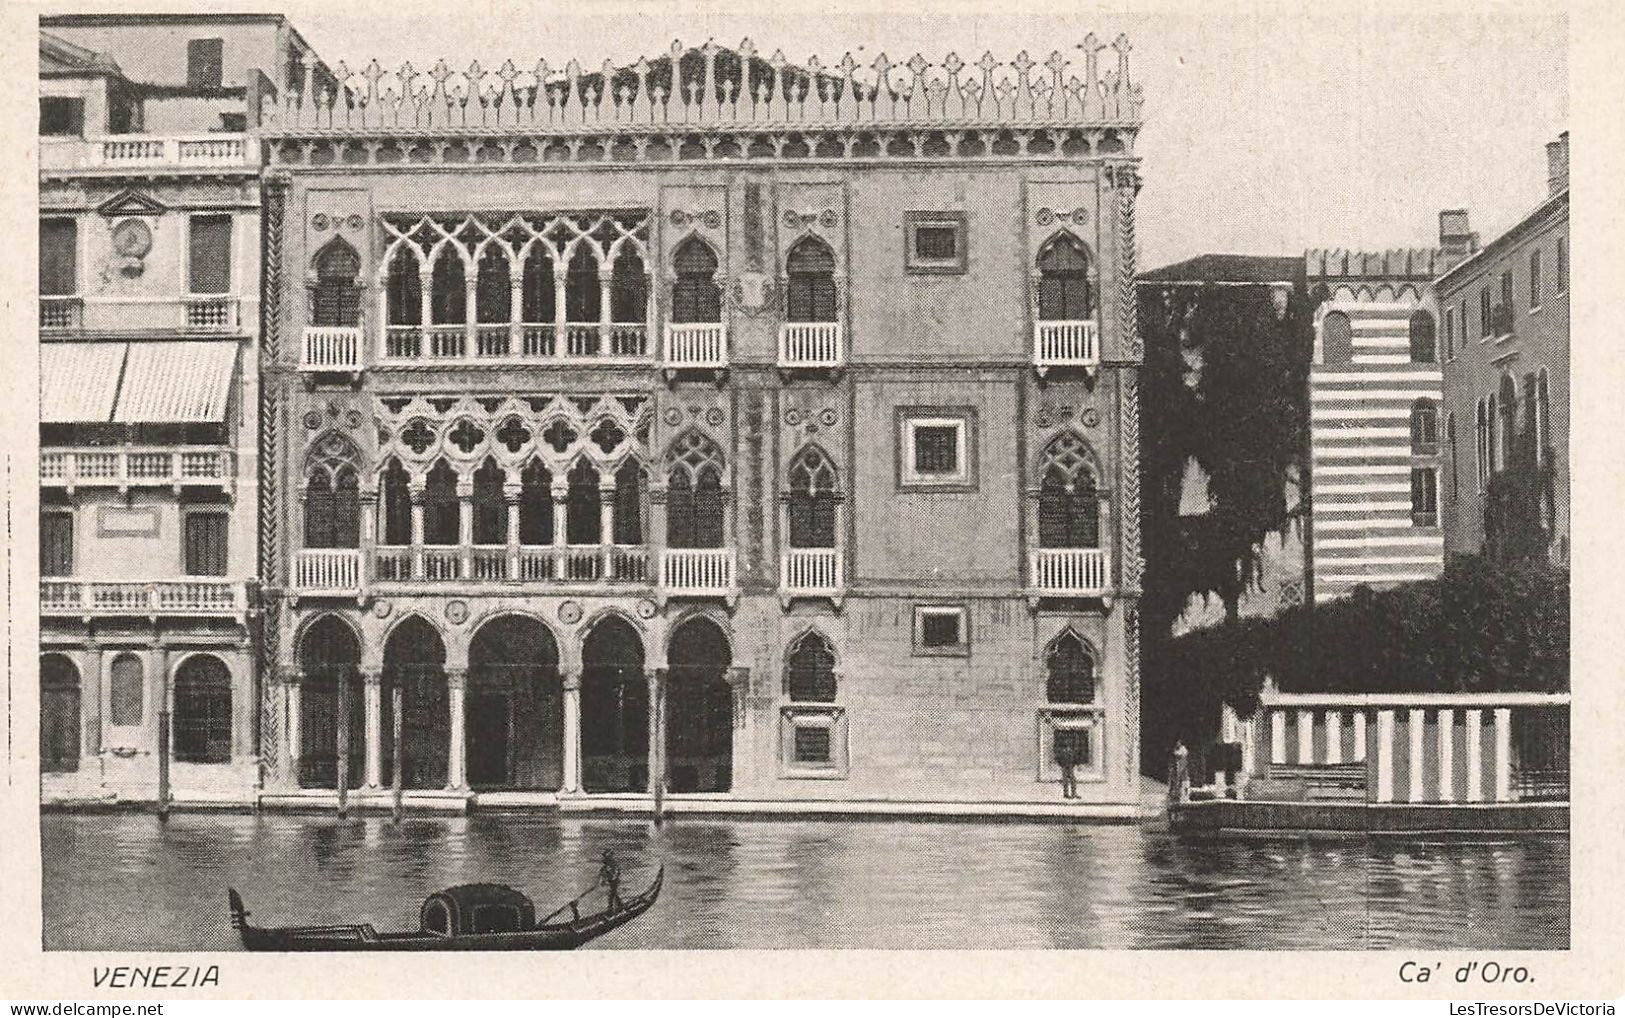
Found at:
(698, 707)
(415, 661)
(615, 728)
(329, 651)
(514, 708)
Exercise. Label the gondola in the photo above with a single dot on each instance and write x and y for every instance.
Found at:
(469, 917)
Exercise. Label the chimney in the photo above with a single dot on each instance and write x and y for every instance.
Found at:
(1557, 164)
(1456, 239)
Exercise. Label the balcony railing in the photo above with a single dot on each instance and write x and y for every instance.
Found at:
(143, 597)
(61, 313)
(697, 571)
(1070, 572)
(811, 345)
(696, 345)
(327, 571)
(495, 564)
(331, 348)
(527, 342)
(200, 314)
(127, 468)
(223, 151)
(1066, 344)
(810, 571)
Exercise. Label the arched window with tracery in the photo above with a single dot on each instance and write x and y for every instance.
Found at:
(490, 511)
(333, 494)
(1064, 291)
(493, 296)
(1424, 427)
(810, 670)
(203, 710)
(1069, 670)
(814, 494)
(440, 510)
(1068, 497)
(695, 501)
(631, 494)
(629, 288)
(404, 288)
(538, 299)
(810, 269)
(395, 505)
(582, 293)
(695, 296)
(583, 510)
(1336, 339)
(536, 504)
(336, 298)
(448, 293)
(1424, 347)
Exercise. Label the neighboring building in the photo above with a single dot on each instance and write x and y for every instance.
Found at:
(1506, 379)
(722, 436)
(1375, 432)
(1281, 580)
(149, 312)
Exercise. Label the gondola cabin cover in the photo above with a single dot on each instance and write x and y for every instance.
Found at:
(477, 908)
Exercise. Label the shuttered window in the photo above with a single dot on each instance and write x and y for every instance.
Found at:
(56, 544)
(58, 257)
(206, 544)
(210, 265)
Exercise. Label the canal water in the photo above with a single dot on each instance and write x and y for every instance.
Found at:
(127, 881)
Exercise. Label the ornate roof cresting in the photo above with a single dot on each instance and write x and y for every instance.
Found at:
(717, 88)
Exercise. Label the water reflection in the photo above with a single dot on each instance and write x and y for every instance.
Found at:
(128, 882)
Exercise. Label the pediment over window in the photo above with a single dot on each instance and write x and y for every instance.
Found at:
(130, 202)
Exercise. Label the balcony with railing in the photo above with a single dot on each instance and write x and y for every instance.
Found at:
(499, 563)
(1066, 344)
(811, 345)
(148, 598)
(1070, 572)
(695, 346)
(697, 572)
(151, 152)
(811, 572)
(127, 468)
(329, 572)
(202, 314)
(335, 348)
(517, 342)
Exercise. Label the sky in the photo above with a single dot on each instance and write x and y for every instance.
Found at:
(1271, 127)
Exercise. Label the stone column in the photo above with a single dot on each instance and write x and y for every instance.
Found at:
(1334, 736)
(1472, 735)
(516, 309)
(657, 729)
(560, 330)
(90, 683)
(1415, 722)
(1503, 754)
(510, 501)
(1385, 756)
(572, 732)
(471, 316)
(369, 534)
(414, 491)
(1447, 752)
(456, 770)
(1277, 736)
(291, 680)
(373, 685)
(606, 290)
(1359, 736)
(465, 526)
(606, 523)
(425, 307)
(1306, 736)
(561, 508)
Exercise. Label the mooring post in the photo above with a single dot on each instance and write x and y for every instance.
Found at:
(395, 749)
(343, 741)
(163, 763)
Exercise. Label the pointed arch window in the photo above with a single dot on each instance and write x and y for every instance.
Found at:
(333, 494)
(536, 504)
(814, 494)
(583, 510)
(810, 268)
(336, 298)
(448, 293)
(810, 670)
(493, 296)
(1064, 292)
(582, 294)
(440, 510)
(490, 511)
(631, 494)
(1069, 670)
(538, 299)
(695, 296)
(405, 288)
(629, 288)
(1068, 497)
(396, 505)
(695, 502)
(1424, 428)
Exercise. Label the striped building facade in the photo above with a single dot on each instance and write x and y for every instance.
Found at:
(1375, 388)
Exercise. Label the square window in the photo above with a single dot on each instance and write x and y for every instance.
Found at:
(812, 745)
(934, 242)
(941, 629)
(205, 63)
(61, 116)
(935, 448)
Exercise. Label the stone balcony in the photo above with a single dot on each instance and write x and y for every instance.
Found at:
(517, 343)
(811, 345)
(189, 152)
(334, 348)
(695, 346)
(1066, 344)
(151, 599)
(135, 467)
(1070, 572)
(811, 572)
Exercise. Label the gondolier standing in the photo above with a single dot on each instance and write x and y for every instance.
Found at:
(609, 876)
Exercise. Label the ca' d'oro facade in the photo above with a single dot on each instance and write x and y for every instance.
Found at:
(765, 435)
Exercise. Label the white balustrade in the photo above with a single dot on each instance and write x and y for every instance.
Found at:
(331, 348)
(226, 151)
(143, 597)
(442, 563)
(810, 345)
(1064, 344)
(697, 570)
(135, 467)
(1070, 571)
(393, 563)
(696, 345)
(327, 570)
(490, 563)
(537, 342)
(810, 571)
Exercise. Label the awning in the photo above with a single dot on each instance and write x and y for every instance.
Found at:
(177, 383)
(79, 381)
